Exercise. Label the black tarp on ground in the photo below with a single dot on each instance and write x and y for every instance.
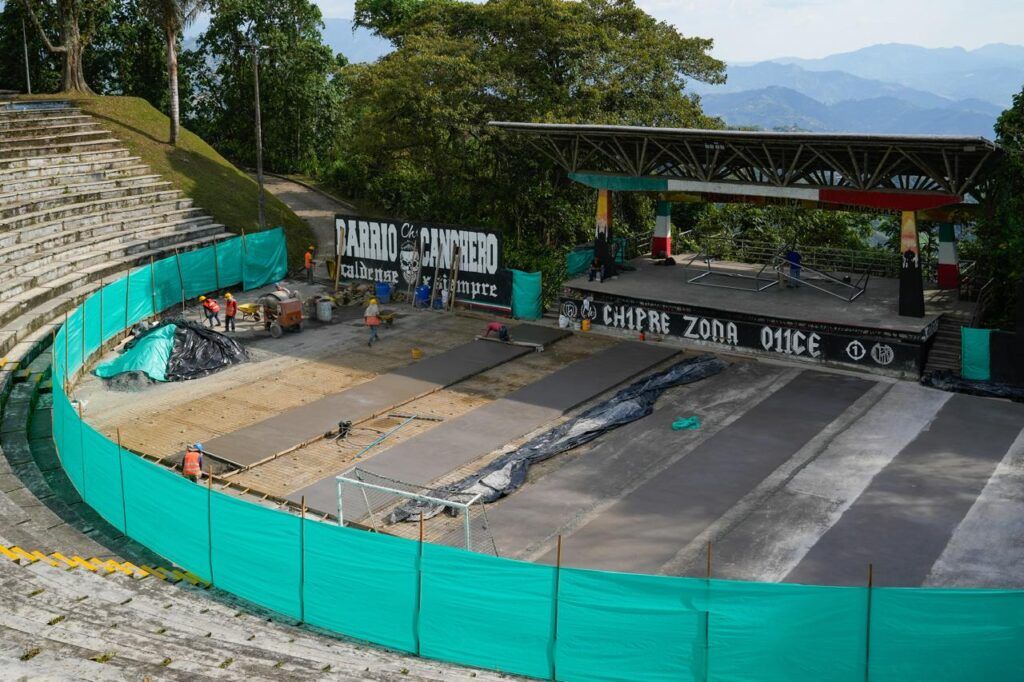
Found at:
(507, 473)
(945, 380)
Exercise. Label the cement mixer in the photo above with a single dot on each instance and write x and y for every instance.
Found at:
(282, 311)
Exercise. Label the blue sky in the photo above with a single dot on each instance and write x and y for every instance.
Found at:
(749, 30)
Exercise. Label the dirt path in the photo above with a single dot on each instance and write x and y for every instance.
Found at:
(315, 208)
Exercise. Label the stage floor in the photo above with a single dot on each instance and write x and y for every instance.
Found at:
(876, 308)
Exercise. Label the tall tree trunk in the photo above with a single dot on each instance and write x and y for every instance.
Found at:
(72, 49)
(172, 78)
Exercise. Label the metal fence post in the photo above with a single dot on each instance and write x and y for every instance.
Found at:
(707, 618)
(302, 562)
(867, 625)
(419, 588)
(554, 607)
(209, 521)
(81, 448)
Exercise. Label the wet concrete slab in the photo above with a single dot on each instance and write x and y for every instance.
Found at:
(905, 518)
(459, 441)
(265, 439)
(646, 528)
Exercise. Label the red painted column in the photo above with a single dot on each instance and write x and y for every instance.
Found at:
(661, 242)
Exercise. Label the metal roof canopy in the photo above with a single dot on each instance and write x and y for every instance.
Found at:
(894, 172)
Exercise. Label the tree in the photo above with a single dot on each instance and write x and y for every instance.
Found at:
(71, 14)
(1000, 227)
(418, 143)
(174, 16)
(299, 102)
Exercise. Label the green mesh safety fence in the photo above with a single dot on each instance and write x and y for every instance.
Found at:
(362, 585)
(264, 259)
(256, 553)
(103, 476)
(578, 261)
(975, 361)
(149, 355)
(566, 624)
(201, 268)
(167, 513)
(664, 618)
(512, 605)
(526, 295)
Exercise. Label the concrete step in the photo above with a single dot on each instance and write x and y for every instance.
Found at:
(71, 172)
(46, 149)
(9, 114)
(43, 188)
(100, 210)
(13, 126)
(78, 195)
(41, 237)
(24, 139)
(15, 167)
(48, 248)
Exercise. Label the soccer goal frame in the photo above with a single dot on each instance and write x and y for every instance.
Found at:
(394, 499)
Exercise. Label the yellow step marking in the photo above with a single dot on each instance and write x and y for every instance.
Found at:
(45, 559)
(195, 579)
(60, 557)
(118, 567)
(154, 572)
(9, 554)
(23, 554)
(100, 564)
(142, 573)
(79, 561)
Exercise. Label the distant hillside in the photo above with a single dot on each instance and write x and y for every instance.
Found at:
(992, 73)
(778, 107)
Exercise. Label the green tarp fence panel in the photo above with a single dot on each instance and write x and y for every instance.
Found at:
(945, 634)
(256, 553)
(264, 258)
(167, 513)
(201, 268)
(526, 295)
(612, 625)
(168, 284)
(229, 262)
(512, 605)
(149, 354)
(578, 261)
(362, 585)
(93, 319)
(530, 619)
(974, 354)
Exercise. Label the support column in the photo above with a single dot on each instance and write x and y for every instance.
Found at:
(603, 224)
(949, 265)
(661, 243)
(911, 285)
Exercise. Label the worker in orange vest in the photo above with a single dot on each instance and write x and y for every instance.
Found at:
(212, 309)
(230, 310)
(308, 262)
(192, 465)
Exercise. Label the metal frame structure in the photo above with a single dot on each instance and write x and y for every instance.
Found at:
(922, 171)
(462, 507)
(780, 262)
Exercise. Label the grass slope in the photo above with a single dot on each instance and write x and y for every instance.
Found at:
(194, 167)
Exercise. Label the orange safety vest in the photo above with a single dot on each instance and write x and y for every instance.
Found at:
(232, 307)
(309, 259)
(191, 465)
(211, 305)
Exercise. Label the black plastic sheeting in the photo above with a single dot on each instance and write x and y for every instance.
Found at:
(945, 380)
(507, 473)
(198, 351)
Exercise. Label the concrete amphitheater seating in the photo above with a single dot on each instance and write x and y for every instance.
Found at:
(76, 208)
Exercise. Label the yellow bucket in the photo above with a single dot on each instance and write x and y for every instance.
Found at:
(585, 326)
(417, 354)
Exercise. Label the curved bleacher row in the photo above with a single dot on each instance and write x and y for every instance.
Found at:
(81, 599)
(76, 207)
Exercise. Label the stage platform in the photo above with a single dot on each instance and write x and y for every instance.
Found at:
(801, 323)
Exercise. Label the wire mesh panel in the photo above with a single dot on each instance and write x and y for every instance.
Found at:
(386, 505)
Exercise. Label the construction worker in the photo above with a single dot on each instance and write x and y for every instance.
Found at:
(192, 465)
(308, 263)
(498, 328)
(212, 309)
(371, 316)
(230, 310)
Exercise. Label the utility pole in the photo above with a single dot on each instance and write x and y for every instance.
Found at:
(259, 134)
(24, 43)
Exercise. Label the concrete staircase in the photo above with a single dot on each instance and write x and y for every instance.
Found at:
(946, 348)
(126, 614)
(76, 208)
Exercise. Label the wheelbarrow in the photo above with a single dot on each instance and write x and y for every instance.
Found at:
(250, 311)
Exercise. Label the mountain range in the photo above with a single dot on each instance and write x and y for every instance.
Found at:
(889, 88)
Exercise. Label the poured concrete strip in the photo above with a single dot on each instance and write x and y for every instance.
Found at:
(459, 441)
(987, 548)
(591, 479)
(301, 424)
(907, 515)
(647, 528)
(772, 538)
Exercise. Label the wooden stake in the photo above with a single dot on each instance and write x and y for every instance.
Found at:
(181, 280)
(454, 277)
(302, 561)
(339, 249)
(554, 607)
(103, 337)
(81, 446)
(216, 267)
(120, 468)
(127, 291)
(419, 587)
(867, 626)
(433, 285)
(709, 560)
(152, 284)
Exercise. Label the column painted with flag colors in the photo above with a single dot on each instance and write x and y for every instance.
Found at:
(949, 266)
(661, 243)
(603, 224)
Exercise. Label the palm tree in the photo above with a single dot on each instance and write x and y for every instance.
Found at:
(174, 16)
